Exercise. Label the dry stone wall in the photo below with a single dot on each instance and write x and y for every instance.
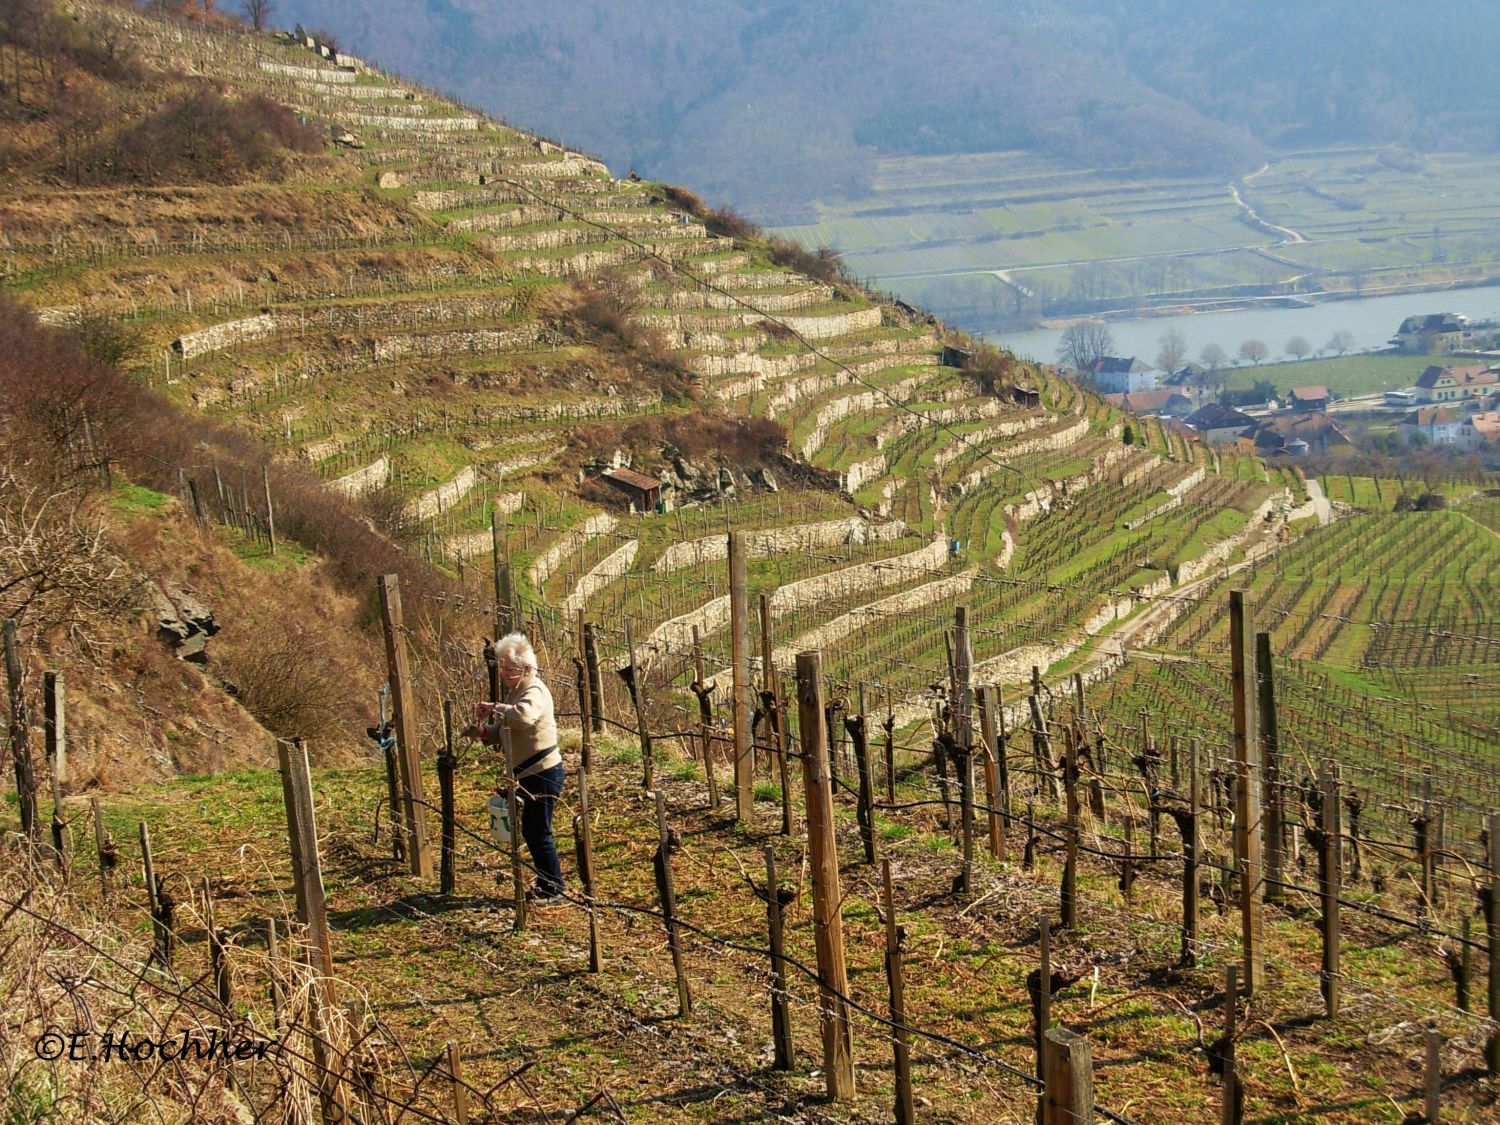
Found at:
(361, 481)
(795, 596)
(470, 543)
(607, 570)
(795, 539)
(444, 496)
(569, 542)
(907, 601)
(859, 403)
(1061, 439)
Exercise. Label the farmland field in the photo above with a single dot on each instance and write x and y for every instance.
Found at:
(1029, 236)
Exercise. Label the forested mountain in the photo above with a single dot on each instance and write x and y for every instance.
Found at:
(764, 102)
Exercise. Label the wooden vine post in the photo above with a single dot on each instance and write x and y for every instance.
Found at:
(704, 692)
(594, 677)
(668, 896)
(20, 737)
(781, 1008)
(1069, 903)
(1247, 818)
(739, 624)
(312, 912)
(56, 742)
(1068, 1096)
(109, 856)
(409, 759)
(1492, 1045)
(1270, 737)
(895, 973)
(838, 1046)
(447, 764)
(583, 837)
(1192, 844)
(1232, 1107)
(963, 741)
(1330, 885)
(638, 698)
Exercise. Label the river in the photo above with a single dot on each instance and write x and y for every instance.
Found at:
(1371, 320)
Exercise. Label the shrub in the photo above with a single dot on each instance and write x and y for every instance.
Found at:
(823, 264)
(287, 682)
(729, 223)
(683, 199)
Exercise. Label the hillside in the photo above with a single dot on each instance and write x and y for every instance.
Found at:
(715, 94)
(426, 335)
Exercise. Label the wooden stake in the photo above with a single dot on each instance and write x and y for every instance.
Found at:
(273, 972)
(963, 735)
(1232, 1107)
(895, 974)
(1492, 1045)
(1431, 1107)
(161, 943)
(218, 959)
(1069, 1095)
(265, 473)
(583, 837)
(990, 742)
(705, 722)
(312, 912)
(1270, 766)
(1330, 887)
(513, 800)
(20, 737)
(1247, 818)
(1042, 1002)
(865, 810)
(446, 764)
(1070, 862)
(781, 1008)
(1192, 856)
(54, 725)
(409, 759)
(783, 754)
(638, 698)
(838, 1047)
(669, 905)
(744, 774)
(594, 676)
(456, 1080)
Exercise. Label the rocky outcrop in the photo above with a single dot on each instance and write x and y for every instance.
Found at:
(182, 622)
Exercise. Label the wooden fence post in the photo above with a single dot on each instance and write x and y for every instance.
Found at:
(273, 972)
(20, 736)
(781, 1008)
(409, 757)
(669, 905)
(744, 773)
(865, 809)
(1270, 767)
(889, 726)
(513, 803)
(783, 754)
(1247, 818)
(161, 932)
(838, 1047)
(1330, 885)
(1068, 1098)
(895, 973)
(1041, 1001)
(312, 912)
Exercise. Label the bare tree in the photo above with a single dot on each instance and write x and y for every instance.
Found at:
(1298, 347)
(1082, 344)
(1341, 341)
(1213, 357)
(1254, 351)
(1173, 351)
(258, 12)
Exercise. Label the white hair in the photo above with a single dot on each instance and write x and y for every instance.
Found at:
(515, 648)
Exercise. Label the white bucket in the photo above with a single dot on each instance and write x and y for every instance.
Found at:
(499, 810)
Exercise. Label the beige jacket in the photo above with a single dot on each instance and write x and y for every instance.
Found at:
(528, 714)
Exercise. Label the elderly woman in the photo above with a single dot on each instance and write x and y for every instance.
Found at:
(527, 714)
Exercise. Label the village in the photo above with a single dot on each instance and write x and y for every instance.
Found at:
(1455, 407)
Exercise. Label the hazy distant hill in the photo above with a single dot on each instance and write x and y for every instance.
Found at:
(767, 102)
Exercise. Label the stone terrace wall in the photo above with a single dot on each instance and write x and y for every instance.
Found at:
(870, 575)
(795, 539)
(907, 601)
(361, 481)
(570, 541)
(444, 496)
(609, 569)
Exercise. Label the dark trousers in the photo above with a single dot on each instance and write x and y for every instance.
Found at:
(536, 796)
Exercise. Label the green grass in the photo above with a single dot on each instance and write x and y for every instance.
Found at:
(134, 500)
(1344, 376)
